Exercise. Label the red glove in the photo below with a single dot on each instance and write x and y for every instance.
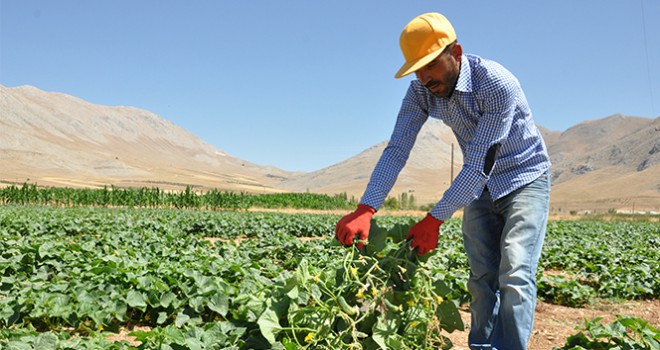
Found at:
(424, 234)
(355, 223)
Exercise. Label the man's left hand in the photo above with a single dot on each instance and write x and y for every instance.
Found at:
(423, 235)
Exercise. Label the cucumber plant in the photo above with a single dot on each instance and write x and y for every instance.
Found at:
(380, 297)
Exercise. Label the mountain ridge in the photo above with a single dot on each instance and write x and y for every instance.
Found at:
(55, 139)
(62, 138)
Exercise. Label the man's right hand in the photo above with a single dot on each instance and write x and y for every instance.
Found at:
(354, 224)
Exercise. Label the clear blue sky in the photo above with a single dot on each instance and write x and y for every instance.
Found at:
(304, 84)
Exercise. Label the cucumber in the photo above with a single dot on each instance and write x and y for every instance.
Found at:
(352, 311)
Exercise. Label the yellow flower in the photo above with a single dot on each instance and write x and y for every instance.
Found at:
(439, 299)
(403, 269)
(374, 291)
(316, 279)
(413, 323)
(410, 303)
(360, 293)
(354, 271)
(309, 337)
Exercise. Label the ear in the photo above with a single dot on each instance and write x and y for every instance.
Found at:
(457, 51)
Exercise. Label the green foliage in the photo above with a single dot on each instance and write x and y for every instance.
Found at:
(625, 333)
(391, 203)
(403, 202)
(381, 297)
(561, 291)
(72, 272)
(70, 275)
(156, 198)
(614, 259)
(28, 339)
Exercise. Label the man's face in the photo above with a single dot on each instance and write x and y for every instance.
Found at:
(441, 74)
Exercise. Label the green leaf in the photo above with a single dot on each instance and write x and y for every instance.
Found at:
(219, 303)
(441, 288)
(167, 299)
(181, 319)
(6, 313)
(118, 309)
(136, 299)
(269, 325)
(175, 334)
(46, 341)
(377, 239)
(450, 318)
(59, 305)
(45, 249)
(141, 336)
(303, 271)
(19, 345)
(194, 344)
(383, 330)
(162, 317)
(288, 344)
(291, 287)
(399, 232)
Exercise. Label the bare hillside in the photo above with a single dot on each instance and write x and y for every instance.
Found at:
(55, 139)
(629, 142)
(610, 163)
(59, 140)
(426, 175)
(599, 165)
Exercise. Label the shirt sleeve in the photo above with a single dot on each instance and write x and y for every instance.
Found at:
(412, 116)
(498, 100)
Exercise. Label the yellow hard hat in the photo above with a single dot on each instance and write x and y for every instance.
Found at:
(423, 39)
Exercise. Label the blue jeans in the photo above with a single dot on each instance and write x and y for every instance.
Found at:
(503, 240)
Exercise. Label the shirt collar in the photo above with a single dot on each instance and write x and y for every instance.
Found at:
(464, 83)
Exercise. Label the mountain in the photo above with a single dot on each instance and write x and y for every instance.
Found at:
(612, 141)
(426, 175)
(609, 163)
(55, 139)
(598, 165)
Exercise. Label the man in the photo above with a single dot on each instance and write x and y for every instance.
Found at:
(503, 185)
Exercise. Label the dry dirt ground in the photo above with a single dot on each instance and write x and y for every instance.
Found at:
(554, 323)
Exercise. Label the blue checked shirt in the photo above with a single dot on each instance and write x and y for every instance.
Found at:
(487, 108)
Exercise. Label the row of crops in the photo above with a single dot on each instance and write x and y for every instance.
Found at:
(154, 197)
(71, 276)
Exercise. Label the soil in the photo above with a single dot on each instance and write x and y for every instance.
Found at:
(554, 323)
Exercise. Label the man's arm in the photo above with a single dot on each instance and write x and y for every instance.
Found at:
(410, 120)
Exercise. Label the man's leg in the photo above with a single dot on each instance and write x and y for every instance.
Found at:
(481, 238)
(526, 214)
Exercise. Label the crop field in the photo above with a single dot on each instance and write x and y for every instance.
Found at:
(72, 277)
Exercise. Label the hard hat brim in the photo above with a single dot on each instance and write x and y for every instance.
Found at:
(410, 67)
